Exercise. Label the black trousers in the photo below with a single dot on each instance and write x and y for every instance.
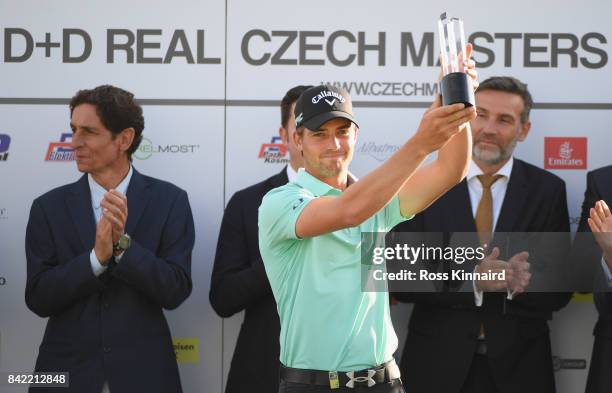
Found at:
(479, 379)
(394, 386)
(600, 371)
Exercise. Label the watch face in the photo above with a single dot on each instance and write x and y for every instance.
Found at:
(124, 242)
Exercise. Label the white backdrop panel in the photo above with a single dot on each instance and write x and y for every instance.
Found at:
(41, 76)
(307, 41)
(200, 129)
(525, 39)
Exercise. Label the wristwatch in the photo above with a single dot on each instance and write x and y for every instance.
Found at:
(122, 244)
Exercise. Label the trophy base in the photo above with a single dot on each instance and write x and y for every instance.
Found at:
(457, 88)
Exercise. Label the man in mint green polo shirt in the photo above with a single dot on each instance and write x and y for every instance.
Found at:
(333, 334)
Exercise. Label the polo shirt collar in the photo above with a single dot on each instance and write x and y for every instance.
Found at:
(314, 185)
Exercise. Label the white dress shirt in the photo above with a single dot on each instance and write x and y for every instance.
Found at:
(498, 193)
(607, 272)
(291, 174)
(97, 194)
(498, 189)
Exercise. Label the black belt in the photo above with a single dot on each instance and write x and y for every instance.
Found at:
(383, 373)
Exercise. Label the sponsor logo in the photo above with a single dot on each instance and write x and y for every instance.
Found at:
(388, 89)
(274, 152)
(323, 96)
(342, 48)
(5, 142)
(299, 202)
(62, 150)
(147, 148)
(139, 46)
(582, 298)
(378, 151)
(187, 350)
(568, 364)
(2, 281)
(565, 153)
(299, 119)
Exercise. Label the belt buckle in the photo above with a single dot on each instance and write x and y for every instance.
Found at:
(481, 347)
(361, 379)
(334, 382)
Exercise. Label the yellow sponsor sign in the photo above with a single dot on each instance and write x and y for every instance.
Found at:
(187, 350)
(582, 297)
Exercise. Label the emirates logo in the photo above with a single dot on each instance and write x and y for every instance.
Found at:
(565, 153)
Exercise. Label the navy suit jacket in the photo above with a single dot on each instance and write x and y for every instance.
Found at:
(112, 327)
(239, 282)
(444, 327)
(586, 257)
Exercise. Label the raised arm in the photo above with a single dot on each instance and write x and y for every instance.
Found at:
(431, 181)
(373, 192)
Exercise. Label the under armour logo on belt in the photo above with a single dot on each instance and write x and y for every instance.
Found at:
(368, 379)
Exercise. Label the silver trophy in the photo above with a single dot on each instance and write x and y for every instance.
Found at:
(456, 84)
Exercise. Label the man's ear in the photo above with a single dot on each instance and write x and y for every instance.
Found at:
(126, 137)
(297, 138)
(284, 135)
(524, 130)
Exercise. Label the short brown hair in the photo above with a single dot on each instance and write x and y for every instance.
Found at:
(511, 85)
(116, 109)
(290, 97)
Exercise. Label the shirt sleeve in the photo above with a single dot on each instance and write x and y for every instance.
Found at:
(279, 212)
(393, 215)
(96, 266)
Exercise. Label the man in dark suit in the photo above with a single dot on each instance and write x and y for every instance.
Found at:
(101, 275)
(239, 281)
(489, 342)
(593, 256)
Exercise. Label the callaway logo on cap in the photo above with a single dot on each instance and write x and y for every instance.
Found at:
(321, 104)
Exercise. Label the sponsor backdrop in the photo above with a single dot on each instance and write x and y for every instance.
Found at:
(210, 74)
